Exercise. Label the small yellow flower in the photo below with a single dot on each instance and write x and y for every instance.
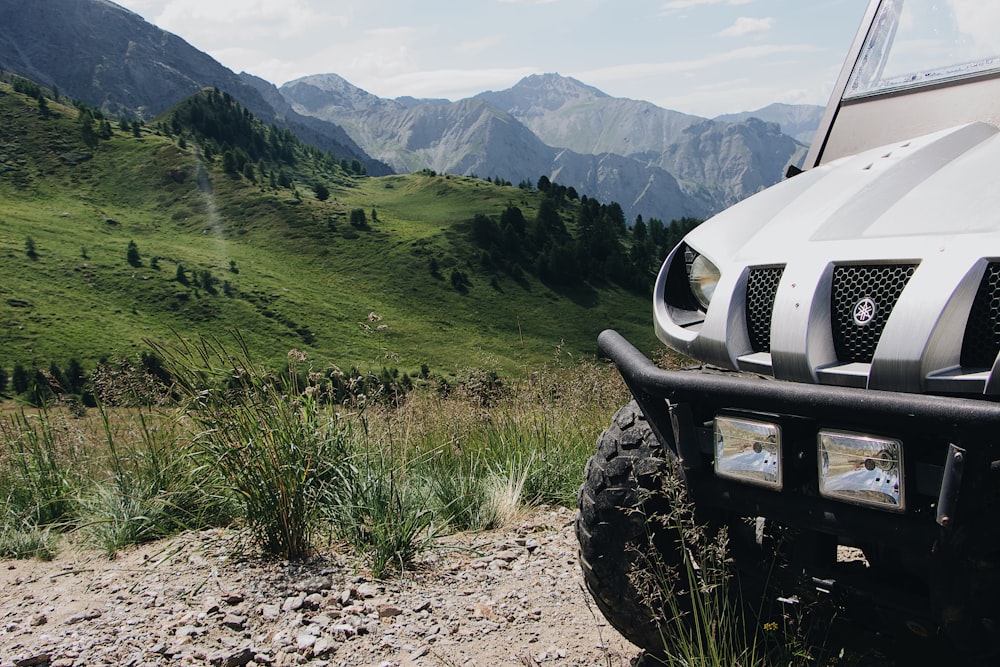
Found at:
(770, 626)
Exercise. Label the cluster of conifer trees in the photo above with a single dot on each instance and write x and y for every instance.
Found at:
(597, 244)
(248, 147)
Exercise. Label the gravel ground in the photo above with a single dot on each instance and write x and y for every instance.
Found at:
(506, 597)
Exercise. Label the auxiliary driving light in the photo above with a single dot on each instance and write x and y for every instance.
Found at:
(748, 451)
(861, 469)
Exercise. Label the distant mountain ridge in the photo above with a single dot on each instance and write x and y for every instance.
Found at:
(796, 120)
(567, 113)
(111, 58)
(653, 161)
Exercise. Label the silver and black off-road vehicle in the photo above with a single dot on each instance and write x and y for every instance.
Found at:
(855, 311)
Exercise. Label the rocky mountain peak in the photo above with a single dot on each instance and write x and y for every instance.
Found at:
(539, 94)
(320, 91)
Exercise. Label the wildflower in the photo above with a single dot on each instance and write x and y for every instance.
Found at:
(771, 626)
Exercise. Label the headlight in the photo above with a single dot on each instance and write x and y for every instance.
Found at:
(749, 451)
(861, 469)
(703, 276)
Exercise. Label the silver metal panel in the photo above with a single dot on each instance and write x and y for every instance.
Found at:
(933, 205)
(845, 375)
(879, 120)
(758, 362)
(954, 381)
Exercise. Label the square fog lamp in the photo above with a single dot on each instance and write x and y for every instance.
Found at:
(748, 451)
(861, 469)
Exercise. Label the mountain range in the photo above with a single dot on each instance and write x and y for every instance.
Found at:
(652, 161)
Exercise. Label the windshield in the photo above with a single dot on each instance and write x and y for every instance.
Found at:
(916, 42)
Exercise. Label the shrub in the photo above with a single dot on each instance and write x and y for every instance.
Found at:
(322, 192)
(264, 437)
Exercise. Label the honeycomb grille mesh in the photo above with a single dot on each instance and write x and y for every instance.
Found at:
(762, 285)
(881, 284)
(982, 332)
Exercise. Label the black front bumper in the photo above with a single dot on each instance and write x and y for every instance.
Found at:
(953, 459)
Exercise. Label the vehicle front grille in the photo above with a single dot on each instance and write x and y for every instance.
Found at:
(762, 285)
(982, 332)
(871, 291)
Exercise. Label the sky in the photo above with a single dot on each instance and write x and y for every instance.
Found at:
(704, 57)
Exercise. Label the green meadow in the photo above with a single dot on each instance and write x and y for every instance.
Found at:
(218, 252)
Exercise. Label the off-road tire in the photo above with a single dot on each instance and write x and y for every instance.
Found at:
(611, 525)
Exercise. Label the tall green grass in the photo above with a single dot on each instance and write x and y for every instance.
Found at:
(265, 437)
(704, 617)
(154, 485)
(267, 452)
(693, 592)
(379, 514)
(35, 484)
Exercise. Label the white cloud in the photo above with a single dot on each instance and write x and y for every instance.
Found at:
(638, 70)
(203, 21)
(687, 4)
(746, 26)
(452, 84)
(480, 45)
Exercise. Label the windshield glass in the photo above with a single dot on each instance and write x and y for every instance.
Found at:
(916, 42)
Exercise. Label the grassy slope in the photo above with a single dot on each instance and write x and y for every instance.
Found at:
(306, 279)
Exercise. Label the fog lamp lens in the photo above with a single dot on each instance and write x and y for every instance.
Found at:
(861, 469)
(748, 450)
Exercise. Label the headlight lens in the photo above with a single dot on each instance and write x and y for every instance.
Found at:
(861, 469)
(703, 277)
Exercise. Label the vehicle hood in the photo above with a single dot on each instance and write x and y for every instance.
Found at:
(928, 207)
(901, 200)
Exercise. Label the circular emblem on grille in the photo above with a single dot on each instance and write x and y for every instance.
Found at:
(864, 312)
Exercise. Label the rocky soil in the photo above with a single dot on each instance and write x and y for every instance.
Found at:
(508, 597)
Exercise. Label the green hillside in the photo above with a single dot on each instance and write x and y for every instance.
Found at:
(407, 286)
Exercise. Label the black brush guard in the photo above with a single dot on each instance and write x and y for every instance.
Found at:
(951, 451)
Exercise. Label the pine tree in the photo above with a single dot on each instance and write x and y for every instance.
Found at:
(75, 376)
(20, 380)
(322, 192)
(132, 254)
